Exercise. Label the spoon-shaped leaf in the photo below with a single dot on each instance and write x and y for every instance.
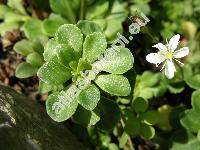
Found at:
(89, 97)
(116, 62)
(54, 72)
(114, 84)
(70, 35)
(61, 105)
(95, 44)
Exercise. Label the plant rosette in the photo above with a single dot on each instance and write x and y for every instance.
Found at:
(77, 59)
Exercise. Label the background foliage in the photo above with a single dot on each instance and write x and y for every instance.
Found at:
(140, 109)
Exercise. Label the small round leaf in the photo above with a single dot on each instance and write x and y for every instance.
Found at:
(140, 105)
(70, 35)
(147, 131)
(94, 45)
(116, 61)
(150, 117)
(109, 114)
(25, 70)
(61, 105)
(23, 47)
(51, 24)
(88, 27)
(89, 97)
(86, 117)
(54, 72)
(196, 100)
(34, 59)
(114, 84)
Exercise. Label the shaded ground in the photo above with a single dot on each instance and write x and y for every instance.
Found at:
(9, 60)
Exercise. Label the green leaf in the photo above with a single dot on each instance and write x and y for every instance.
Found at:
(190, 120)
(25, 70)
(112, 146)
(45, 88)
(101, 22)
(184, 140)
(118, 16)
(118, 7)
(38, 44)
(173, 115)
(113, 27)
(17, 5)
(89, 97)
(149, 78)
(70, 35)
(189, 29)
(86, 117)
(163, 122)
(114, 84)
(123, 140)
(64, 52)
(4, 10)
(23, 47)
(88, 27)
(150, 117)
(83, 65)
(123, 100)
(64, 8)
(97, 10)
(140, 105)
(148, 85)
(132, 124)
(94, 45)
(192, 78)
(147, 131)
(109, 114)
(8, 26)
(33, 28)
(51, 49)
(196, 100)
(116, 62)
(194, 81)
(34, 59)
(61, 105)
(54, 72)
(51, 24)
(105, 139)
(141, 7)
(144, 92)
(198, 135)
(176, 87)
(14, 17)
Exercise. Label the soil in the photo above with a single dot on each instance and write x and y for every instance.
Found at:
(9, 60)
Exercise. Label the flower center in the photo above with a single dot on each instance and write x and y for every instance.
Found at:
(169, 55)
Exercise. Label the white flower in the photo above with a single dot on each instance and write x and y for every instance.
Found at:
(167, 54)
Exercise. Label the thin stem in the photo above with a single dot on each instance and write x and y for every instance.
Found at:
(130, 143)
(82, 10)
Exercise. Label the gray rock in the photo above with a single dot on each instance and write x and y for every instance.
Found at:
(24, 125)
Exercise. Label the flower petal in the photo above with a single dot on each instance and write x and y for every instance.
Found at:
(181, 52)
(155, 58)
(173, 42)
(161, 47)
(169, 69)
